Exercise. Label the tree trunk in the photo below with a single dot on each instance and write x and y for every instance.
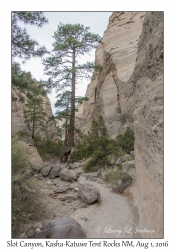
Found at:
(66, 129)
(33, 127)
(72, 113)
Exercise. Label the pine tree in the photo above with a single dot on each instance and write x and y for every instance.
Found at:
(62, 112)
(34, 115)
(63, 106)
(70, 42)
(24, 83)
(22, 45)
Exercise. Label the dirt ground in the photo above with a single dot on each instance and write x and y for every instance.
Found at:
(114, 216)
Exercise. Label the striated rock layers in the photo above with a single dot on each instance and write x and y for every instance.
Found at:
(18, 116)
(129, 92)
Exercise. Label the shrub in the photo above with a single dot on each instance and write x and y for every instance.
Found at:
(116, 175)
(19, 154)
(98, 146)
(48, 148)
(126, 141)
(26, 201)
(98, 159)
(96, 140)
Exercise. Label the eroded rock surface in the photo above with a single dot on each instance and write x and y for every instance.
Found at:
(129, 92)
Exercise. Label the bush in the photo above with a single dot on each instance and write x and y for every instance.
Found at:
(98, 159)
(48, 148)
(19, 154)
(116, 175)
(126, 141)
(98, 146)
(26, 201)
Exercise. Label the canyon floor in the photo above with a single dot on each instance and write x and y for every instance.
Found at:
(114, 216)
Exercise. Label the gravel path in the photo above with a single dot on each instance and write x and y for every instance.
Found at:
(113, 217)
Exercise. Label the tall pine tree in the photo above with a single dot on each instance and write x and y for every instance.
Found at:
(71, 41)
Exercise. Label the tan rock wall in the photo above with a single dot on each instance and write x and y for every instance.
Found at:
(131, 85)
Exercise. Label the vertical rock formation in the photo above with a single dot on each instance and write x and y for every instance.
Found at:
(18, 116)
(129, 92)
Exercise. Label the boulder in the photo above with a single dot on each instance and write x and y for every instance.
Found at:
(126, 157)
(40, 176)
(31, 233)
(36, 168)
(55, 171)
(68, 197)
(88, 193)
(122, 184)
(46, 170)
(74, 165)
(43, 234)
(84, 218)
(68, 175)
(35, 158)
(95, 176)
(99, 174)
(91, 176)
(128, 165)
(61, 188)
(132, 153)
(64, 228)
(119, 161)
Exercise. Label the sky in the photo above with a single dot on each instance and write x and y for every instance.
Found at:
(97, 21)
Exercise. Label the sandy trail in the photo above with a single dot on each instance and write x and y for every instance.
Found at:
(113, 217)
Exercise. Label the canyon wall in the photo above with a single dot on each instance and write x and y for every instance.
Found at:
(129, 92)
(18, 123)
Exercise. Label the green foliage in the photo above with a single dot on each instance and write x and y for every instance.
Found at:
(99, 146)
(99, 159)
(62, 66)
(34, 115)
(114, 148)
(19, 154)
(126, 141)
(96, 140)
(58, 66)
(22, 45)
(94, 145)
(24, 83)
(115, 175)
(48, 148)
(63, 105)
(26, 203)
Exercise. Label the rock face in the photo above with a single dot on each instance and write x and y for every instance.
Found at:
(129, 92)
(64, 228)
(34, 157)
(18, 120)
(88, 193)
